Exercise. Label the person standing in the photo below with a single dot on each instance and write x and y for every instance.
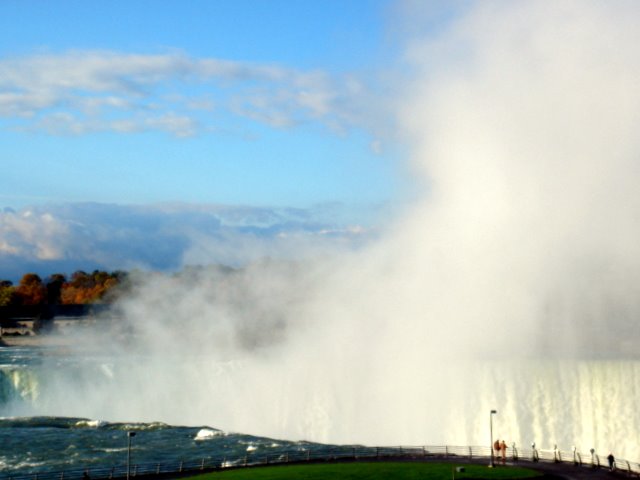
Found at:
(503, 450)
(612, 462)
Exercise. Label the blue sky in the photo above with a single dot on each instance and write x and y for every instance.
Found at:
(158, 134)
(262, 103)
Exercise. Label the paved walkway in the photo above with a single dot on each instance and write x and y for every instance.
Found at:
(569, 471)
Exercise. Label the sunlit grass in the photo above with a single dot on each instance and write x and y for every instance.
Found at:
(372, 471)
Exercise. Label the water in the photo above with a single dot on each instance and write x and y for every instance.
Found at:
(53, 443)
(62, 409)
(39, 444)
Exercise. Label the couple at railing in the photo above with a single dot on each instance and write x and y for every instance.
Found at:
(500, 448)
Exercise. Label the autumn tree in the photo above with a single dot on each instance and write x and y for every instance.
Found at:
(88, 288)
(74, 291)
(31, 290)
(7, 293)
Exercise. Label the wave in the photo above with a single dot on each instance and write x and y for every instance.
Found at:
(42, 422)
(92, 423)
(140, 426)
(77, 423)
(207, 434)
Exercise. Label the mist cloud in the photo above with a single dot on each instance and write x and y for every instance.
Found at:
(511, 284)
(524, 123)
(521, 118)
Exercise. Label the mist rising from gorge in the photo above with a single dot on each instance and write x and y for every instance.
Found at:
(504, 287)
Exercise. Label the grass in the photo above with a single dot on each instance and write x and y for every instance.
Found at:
(373, 471)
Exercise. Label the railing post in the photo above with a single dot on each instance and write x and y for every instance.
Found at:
(470, 453)
(62, 475)
(446, 451)
(202, 465)
(245, 460)
(135, 470)
(158, 469)
(377, 453)
(180, 466)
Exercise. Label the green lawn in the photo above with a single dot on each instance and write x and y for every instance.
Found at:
(372, 471)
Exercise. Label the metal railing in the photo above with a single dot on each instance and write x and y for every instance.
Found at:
(467, 454)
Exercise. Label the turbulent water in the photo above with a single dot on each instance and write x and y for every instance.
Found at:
(39, 444)
(44, 391)
(52, 443)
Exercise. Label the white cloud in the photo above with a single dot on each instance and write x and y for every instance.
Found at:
(88, 236)
(24, 104)
(178, 125)
(32, 235)
(80, 91)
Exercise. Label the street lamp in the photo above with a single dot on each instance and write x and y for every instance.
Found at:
(129, 435)
(491, 414)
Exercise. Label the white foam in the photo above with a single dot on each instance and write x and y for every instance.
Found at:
(207, 433)
(91, 423)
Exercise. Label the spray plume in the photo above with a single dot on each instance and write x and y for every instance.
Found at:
(513, 284)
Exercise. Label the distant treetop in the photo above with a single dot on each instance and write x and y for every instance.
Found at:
(83, 288)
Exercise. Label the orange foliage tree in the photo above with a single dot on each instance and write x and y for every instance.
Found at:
(31, 290)
(89, 287)
(82, 288)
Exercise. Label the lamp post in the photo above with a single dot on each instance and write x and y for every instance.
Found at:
(491, 414)
(534, 452)
(129, 435)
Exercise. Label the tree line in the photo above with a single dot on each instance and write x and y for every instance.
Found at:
(81, 288)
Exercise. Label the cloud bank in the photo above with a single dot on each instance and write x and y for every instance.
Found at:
(70, 237)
